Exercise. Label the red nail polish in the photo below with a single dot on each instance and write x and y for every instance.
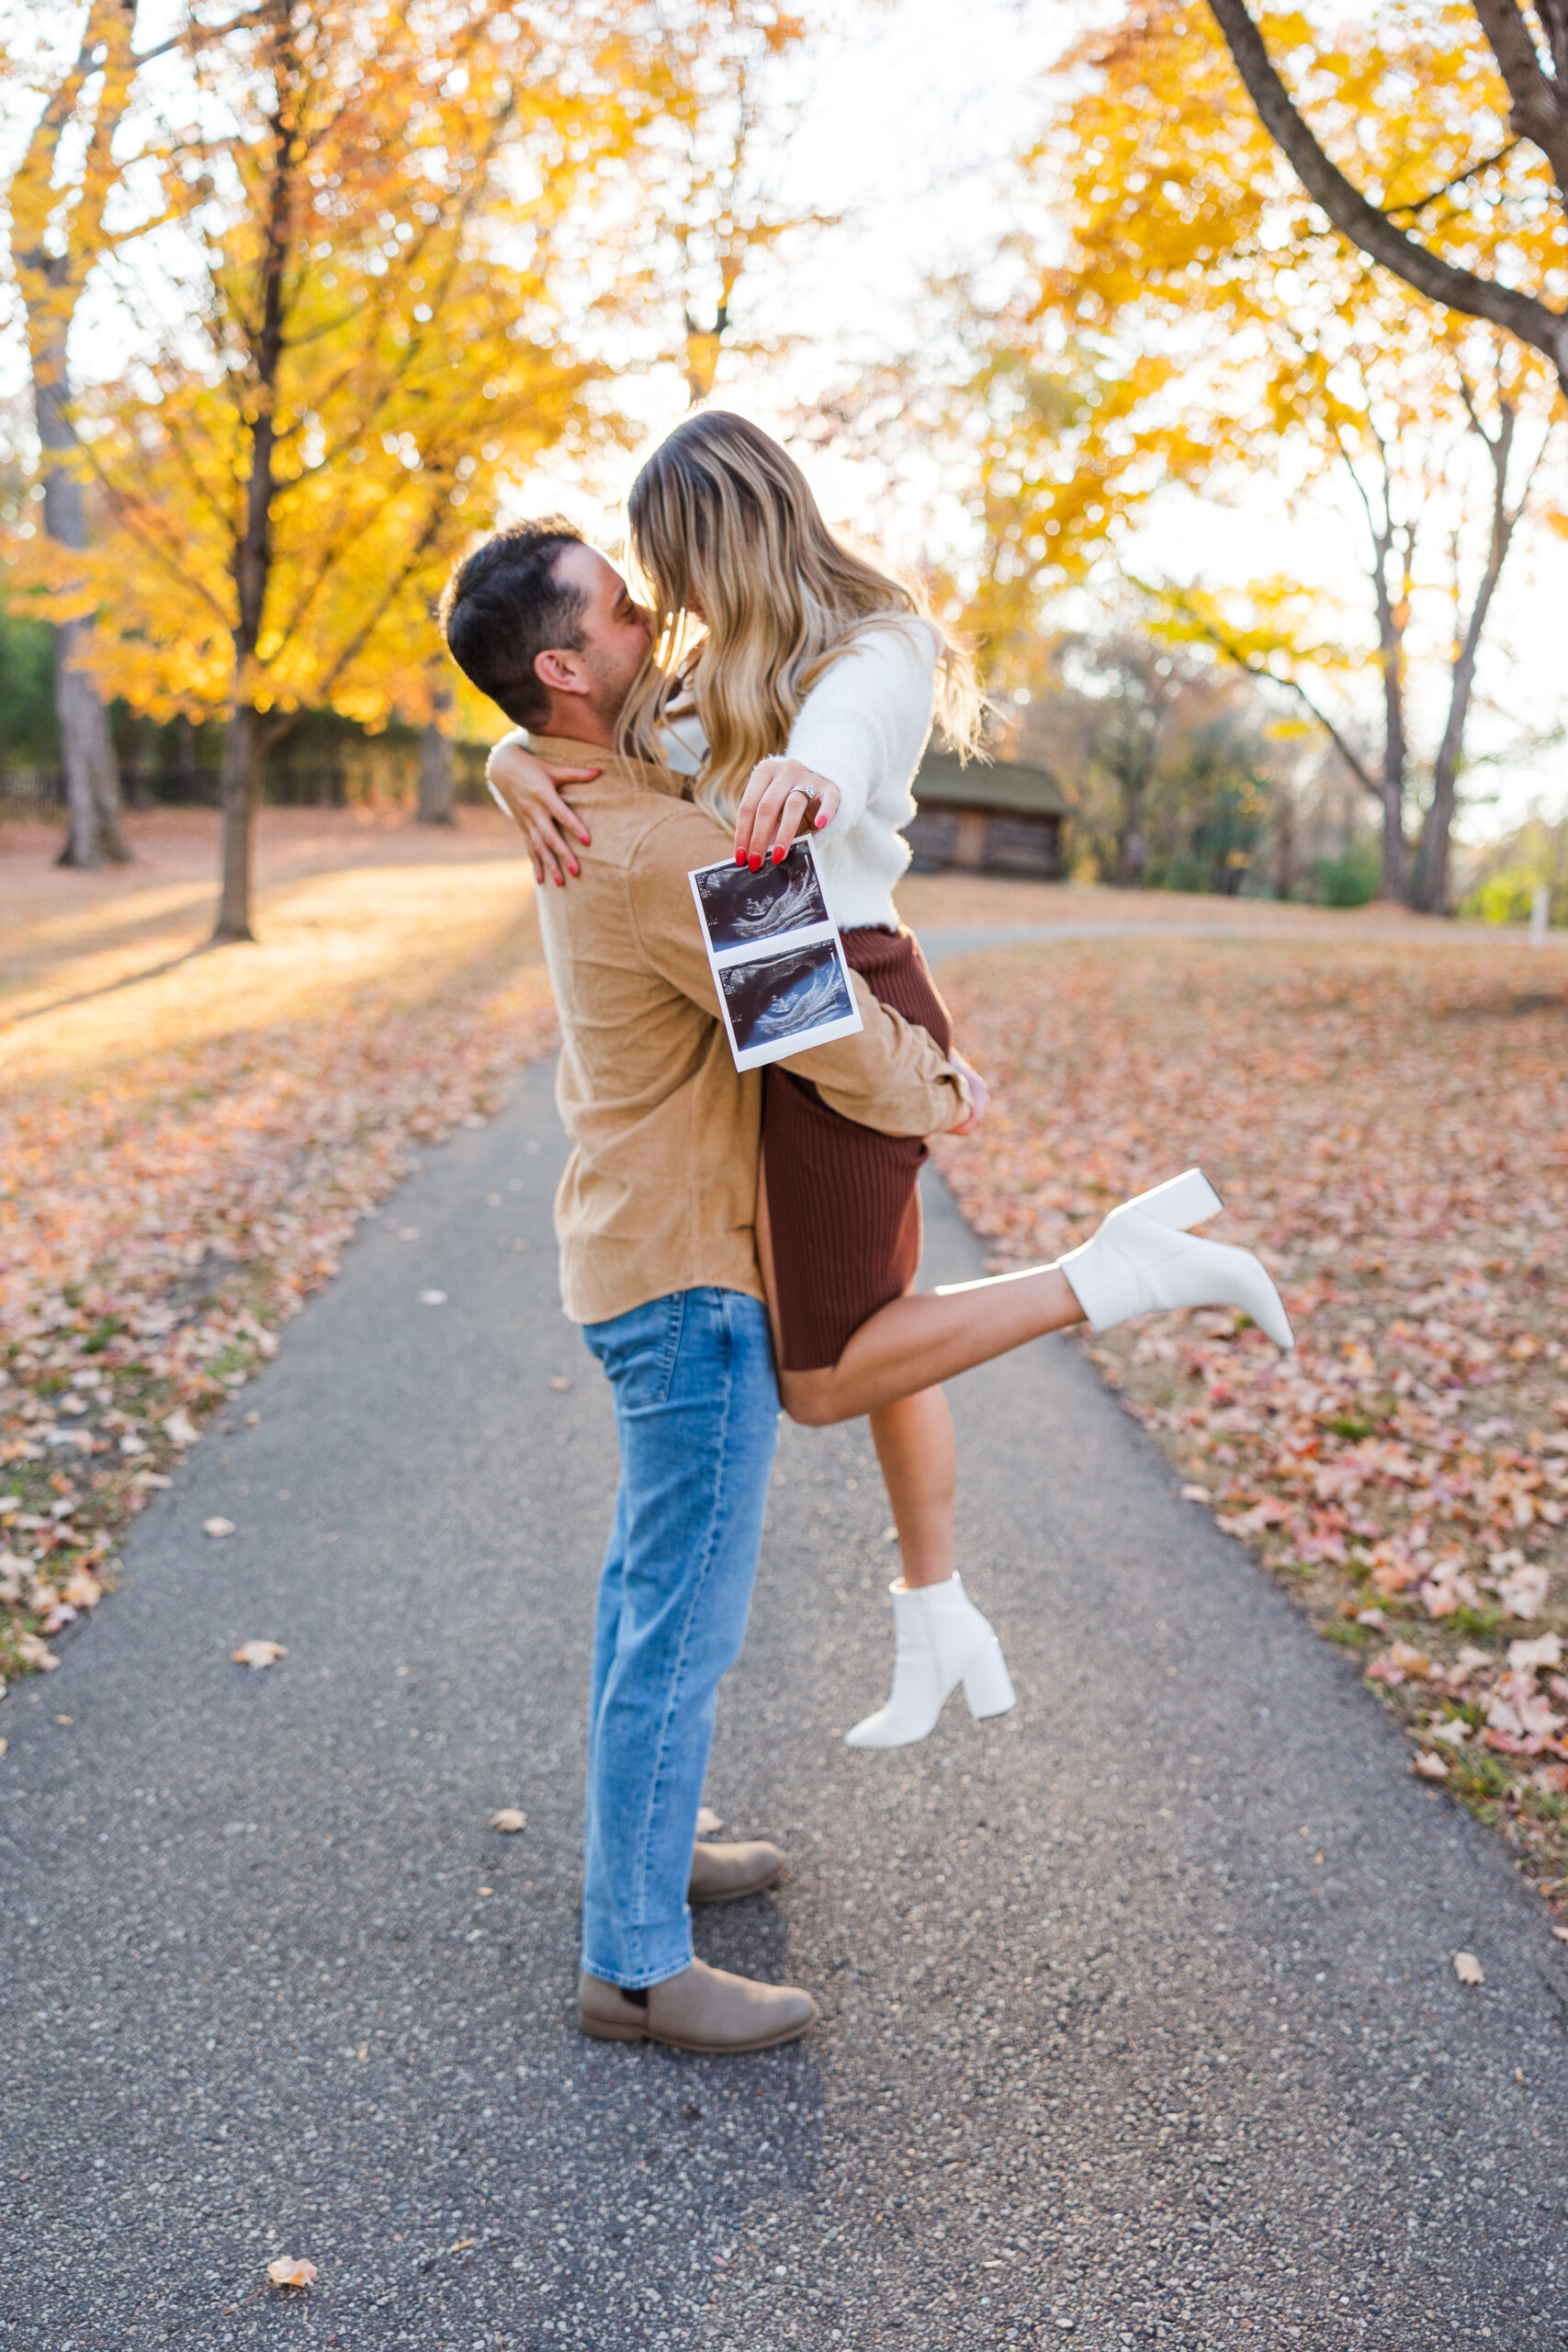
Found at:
(779, 854)
(756, 862)
(739, 857)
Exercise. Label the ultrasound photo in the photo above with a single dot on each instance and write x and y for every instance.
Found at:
(739, 906)
(778, 1000)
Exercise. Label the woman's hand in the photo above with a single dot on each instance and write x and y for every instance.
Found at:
(528, 788)
(782, 799)
(979, 1095)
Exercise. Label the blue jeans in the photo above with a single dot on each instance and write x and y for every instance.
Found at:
(696, 1410)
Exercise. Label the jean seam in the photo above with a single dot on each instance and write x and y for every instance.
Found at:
(674, 1332)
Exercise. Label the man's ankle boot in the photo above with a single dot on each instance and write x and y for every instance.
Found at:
(702, 2009)
(721, 1873)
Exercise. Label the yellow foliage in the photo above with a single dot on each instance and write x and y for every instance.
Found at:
(373, 360)
(1194, 318)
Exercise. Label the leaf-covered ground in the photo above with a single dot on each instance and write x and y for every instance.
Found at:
(1388, 1127)
(186, 1156)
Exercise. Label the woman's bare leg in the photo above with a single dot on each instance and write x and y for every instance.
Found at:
(922, 1339)
(915, 1445)
(914, 1441)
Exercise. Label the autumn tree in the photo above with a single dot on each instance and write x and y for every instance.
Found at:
(1191, 321)
(724, 122)
(1436, 143)
(60, 199)
(365, 348)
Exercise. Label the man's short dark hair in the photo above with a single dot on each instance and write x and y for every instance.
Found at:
(502, 608)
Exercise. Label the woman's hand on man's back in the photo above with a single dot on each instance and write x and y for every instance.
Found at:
(547, 825)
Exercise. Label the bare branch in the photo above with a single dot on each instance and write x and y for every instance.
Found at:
(1373, 231)
(1540, 107)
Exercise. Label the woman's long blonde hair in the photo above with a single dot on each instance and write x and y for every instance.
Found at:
(753, 597)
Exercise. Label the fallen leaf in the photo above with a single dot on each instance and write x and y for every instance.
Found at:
(1398, 1663)
(289, 2271)
(560, 1381)
(1560, 1933)
(5, 1743)
(259, 1652)
(508, 1818)
(83, 1590)
(707, 1821)
(1468, 1969)
(432, 1298)
(1531, 1658)
(1523, 1594)
(1196, 1495)
(181, 1429)
(1430, 1767)
(218, 1527)
(1453, 1734)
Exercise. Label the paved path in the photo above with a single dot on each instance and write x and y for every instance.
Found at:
(1140, 2022)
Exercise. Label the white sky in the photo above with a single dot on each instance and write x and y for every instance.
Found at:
(907, 120)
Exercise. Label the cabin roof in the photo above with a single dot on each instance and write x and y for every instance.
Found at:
(1006, 786)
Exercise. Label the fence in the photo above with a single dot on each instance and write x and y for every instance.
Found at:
(377, 783)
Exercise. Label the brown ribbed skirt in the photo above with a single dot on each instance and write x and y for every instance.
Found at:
(843, 1203)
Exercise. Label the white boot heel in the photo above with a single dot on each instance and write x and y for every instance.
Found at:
(942, 1640)
(987, 1685)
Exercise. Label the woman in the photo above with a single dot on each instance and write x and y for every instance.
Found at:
(797, 682)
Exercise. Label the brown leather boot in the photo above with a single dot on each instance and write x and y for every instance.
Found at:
(703, 2009)
(720, 1874)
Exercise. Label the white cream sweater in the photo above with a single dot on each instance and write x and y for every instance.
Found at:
(863, 726)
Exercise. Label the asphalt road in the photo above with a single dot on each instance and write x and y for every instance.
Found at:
(1140, 2023)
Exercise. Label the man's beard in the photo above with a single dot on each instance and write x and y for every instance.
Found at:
(612, 678)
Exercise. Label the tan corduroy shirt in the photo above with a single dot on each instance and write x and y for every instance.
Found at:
(660, 1191)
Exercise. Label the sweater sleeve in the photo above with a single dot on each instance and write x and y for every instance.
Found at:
(865, 722)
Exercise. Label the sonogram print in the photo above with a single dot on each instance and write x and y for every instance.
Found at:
(779, 997)
(739, 906)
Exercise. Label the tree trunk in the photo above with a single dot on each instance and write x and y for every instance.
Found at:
(1284, 842)
(435, 767)
(252, 557)
(91, 772)
(1393, 879)
(1429, 890)
(242, 769)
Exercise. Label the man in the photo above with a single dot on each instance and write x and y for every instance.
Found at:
(655, 1217)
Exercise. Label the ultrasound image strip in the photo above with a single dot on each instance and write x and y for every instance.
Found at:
(740, 908)
(777, 960)
(777, 999)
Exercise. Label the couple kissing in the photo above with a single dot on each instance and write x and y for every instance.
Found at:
(738, 1241)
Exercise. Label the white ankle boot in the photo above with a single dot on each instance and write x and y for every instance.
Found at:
(941, 1639)
(1142, 1259)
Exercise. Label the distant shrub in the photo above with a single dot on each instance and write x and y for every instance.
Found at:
(1505, 897)
(1350, 880)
